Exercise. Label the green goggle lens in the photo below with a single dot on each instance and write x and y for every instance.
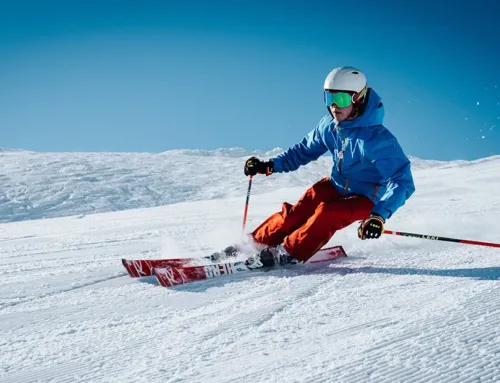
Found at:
(341, 99)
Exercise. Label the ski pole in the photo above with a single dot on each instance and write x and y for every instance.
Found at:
(246, 203)
(435, 238)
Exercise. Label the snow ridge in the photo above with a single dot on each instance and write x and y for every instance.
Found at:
(48, 185)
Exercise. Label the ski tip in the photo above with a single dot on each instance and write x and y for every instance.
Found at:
(343, 251)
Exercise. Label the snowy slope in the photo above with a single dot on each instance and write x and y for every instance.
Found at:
(47, 185)
(397, 310)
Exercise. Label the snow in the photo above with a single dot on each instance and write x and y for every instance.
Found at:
(49, 185)
(396, 310)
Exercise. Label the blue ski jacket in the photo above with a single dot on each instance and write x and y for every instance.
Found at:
(367, 158)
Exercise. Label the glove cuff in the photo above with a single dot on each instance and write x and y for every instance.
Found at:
(378, 216)
(269, 168)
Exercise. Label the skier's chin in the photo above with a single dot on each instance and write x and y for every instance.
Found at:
(339, 116)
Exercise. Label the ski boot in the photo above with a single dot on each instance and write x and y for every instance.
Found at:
(230, 251)
(270, 256)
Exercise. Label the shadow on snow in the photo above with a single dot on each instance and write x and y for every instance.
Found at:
(483, 273)
(486, 273)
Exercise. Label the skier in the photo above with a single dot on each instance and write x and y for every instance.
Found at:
(370, 178)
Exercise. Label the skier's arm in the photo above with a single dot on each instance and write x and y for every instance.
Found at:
(307, 150)
(394, 166)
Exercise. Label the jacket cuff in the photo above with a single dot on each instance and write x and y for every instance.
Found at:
(277, 165)
(384, 213)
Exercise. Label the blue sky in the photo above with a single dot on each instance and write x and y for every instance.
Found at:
(159, 75)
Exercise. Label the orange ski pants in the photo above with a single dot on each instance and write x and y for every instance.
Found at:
(307, 226)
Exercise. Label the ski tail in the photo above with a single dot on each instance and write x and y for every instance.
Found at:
(138, 268)
(144, 267)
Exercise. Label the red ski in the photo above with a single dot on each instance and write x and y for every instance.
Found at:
(138, 268)
(172, 275)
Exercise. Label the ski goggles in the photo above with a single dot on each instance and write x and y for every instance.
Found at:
(341, 99)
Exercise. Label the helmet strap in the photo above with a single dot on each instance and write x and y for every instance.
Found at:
(355, 110)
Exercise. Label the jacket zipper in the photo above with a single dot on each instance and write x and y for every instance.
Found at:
(341, 158)
(341, 153)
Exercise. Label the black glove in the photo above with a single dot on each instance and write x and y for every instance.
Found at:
(372, 227)
(255, 166)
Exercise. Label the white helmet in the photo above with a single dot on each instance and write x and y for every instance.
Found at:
(346, 78)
